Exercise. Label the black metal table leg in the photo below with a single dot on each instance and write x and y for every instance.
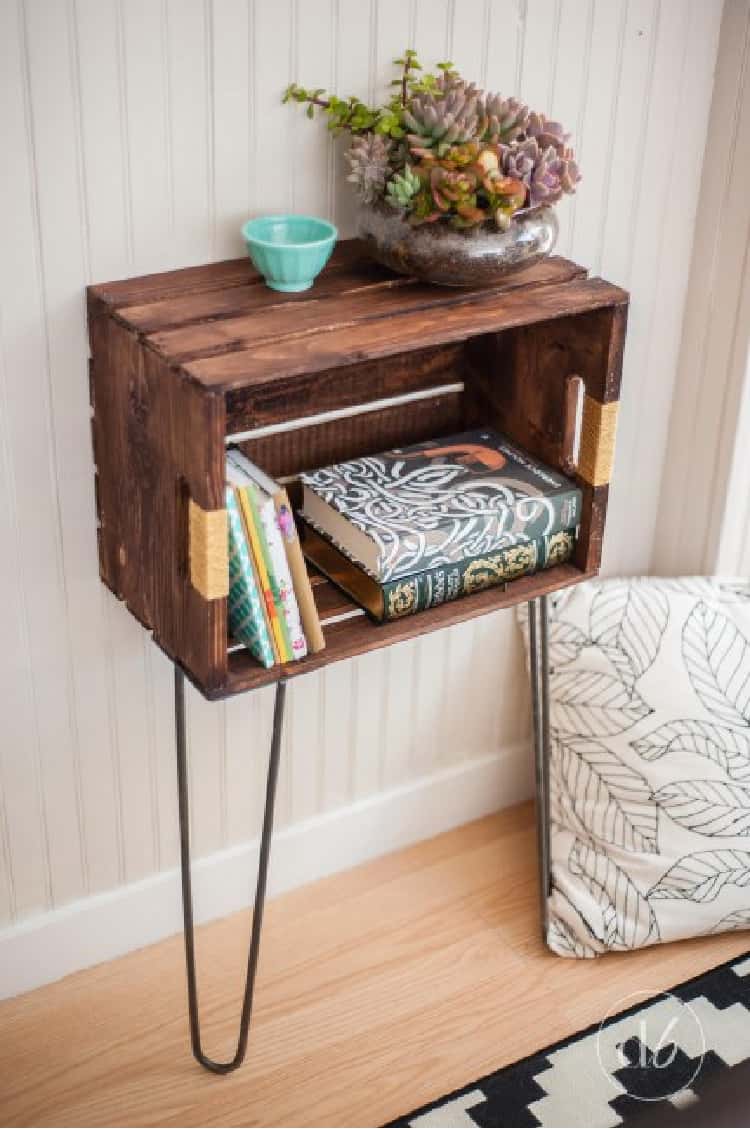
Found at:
(260, 889)
(539, 664)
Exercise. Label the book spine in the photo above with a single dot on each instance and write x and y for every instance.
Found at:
(287, 601)
(439, 585)
(263, 563)
(265, 593)
(568, 510)
(245, 609)
(300, 579)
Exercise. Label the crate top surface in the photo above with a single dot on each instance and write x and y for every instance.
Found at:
(223, 328)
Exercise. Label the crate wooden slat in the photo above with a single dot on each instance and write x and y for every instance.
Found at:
(363, 361)
(356, 636)
(342, 341)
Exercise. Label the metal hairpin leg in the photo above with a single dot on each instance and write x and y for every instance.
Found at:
(539, 663)
(260, 889)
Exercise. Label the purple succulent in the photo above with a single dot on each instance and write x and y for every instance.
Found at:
(546, 172)
(547, 133)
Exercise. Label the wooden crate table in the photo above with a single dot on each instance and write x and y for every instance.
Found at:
(186, 361)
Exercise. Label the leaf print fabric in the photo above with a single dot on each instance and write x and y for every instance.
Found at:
(717, 657)
(605, 794)
(729, 748)
(650, 762)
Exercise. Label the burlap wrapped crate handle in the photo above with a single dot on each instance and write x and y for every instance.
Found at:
(597, 449)
(208, 551)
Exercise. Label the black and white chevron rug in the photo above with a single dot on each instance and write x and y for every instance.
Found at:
(672, 1059)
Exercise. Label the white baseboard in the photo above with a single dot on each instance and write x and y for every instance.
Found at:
(99, 928)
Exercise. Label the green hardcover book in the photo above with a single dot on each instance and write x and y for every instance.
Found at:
(247, 622)
(437, 503)
(434, 586)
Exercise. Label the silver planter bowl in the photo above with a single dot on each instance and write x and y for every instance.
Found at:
(435, 252)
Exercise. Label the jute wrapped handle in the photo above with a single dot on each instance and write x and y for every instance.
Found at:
(597, 448)
(208, 551)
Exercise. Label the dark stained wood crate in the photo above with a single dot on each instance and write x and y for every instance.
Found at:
(182, 360)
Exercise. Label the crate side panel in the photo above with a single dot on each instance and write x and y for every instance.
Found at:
(517, 381)
(158, 442)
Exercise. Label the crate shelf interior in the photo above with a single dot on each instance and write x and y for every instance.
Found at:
(182, 361)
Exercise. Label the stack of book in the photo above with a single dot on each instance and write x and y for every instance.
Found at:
(413, 528)
(271, 607)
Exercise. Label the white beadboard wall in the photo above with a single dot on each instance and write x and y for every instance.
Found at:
(705, 501)
(136, 136)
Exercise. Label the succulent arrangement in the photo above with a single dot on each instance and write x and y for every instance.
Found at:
(441, 149)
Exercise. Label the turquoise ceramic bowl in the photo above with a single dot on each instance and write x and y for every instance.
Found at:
(289, 251)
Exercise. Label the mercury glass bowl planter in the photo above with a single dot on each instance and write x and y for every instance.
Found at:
(436, 252)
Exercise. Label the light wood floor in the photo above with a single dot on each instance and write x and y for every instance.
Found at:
(379, 990)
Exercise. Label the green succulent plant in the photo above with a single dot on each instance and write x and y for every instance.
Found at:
(402, 187)
(440, 149)
(438, 121)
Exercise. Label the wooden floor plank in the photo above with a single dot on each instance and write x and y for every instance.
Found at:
(379, 990)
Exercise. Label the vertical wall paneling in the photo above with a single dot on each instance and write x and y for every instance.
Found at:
(249, 720)
(229, 126)
(137, 135)
(665, 244)
(641, 234)
(30, 304)
(595, 135)
(133, 742)
(188, 69)
(502, 53)
(275, 126)
(536, 75)
(398, 714)
(145, 80)
(568, 96)
(389, 38)
(371, 688)
(335, 743)
(352, 74)
(721, 495)
(313, 60)
(731, 548)
(304, 733)
(164, 770)
(205, 728)
(711, 371)
(25, 857)
(656, 39)
(432, 29)
(469, 37)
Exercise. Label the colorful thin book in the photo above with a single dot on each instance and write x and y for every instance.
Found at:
(300, 610)
(438, 503)
(247, 622)
(265, 591)
(248, 504)
(261, 558)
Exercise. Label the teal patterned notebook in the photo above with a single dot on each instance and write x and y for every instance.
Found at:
(246, 620)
